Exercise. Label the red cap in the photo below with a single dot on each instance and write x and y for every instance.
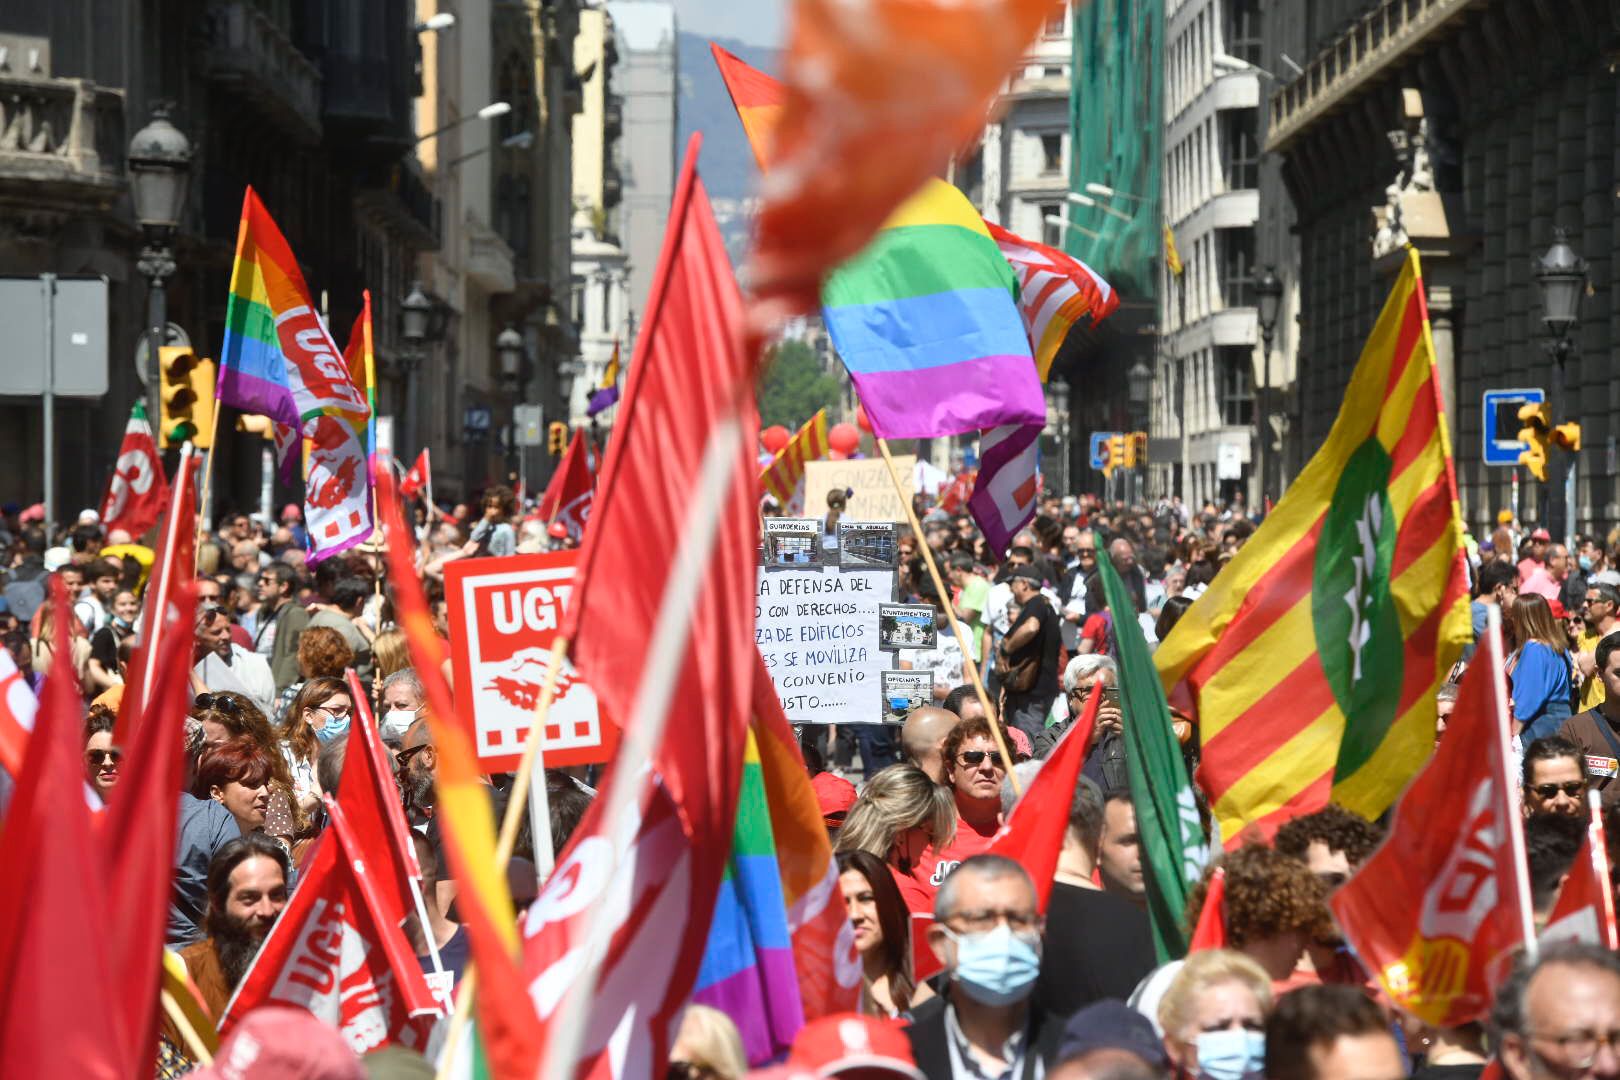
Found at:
(854, 1047)
(1541, 534)
(274, 1042)
(834, 795)
(1557, 606)
(557, 529)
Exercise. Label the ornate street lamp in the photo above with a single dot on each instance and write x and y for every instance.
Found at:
(1561, 276)
(415, 321)
(1268, 292)
(510, 349)
(159, 175)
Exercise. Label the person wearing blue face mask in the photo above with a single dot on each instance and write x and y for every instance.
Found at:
(1214, 1014)
(321, 712)
(987, 934)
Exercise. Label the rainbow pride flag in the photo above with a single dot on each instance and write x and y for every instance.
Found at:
(926, 320)
(747, 970)
(279, 359)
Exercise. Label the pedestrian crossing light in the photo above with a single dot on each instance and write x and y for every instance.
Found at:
(1535, 435)
(557, 438)
(186, 386)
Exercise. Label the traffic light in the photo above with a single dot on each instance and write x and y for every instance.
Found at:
(1536, 418)
(557, 438)
(1129, 450)
(262, 426)
(1139, 443)
(186, 383)
(1116, 452)
(1567, 436)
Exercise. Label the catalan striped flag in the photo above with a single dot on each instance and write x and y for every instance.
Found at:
(508, 1030)
(1312, 661)
(782, 477)
(1055, 291)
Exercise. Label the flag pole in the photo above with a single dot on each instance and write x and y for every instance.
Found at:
(966, 642)
(165, 550)
(1515, 825)
(208, 476)
(194, 1044)
(1599, 844)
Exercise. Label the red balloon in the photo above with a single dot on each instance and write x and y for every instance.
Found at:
(844, 438)
(774, 438)
(861, 419)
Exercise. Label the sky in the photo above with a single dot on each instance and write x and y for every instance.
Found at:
(757, 22)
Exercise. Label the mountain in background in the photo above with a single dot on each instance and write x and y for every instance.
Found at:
(727, 164)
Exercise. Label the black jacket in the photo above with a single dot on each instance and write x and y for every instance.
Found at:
(930, 1042)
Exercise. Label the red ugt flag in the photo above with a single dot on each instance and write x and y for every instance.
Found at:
(572, 490)
(137, 491)
(1439, 908)
(336, 952)
(420, 476)
(1585, 907)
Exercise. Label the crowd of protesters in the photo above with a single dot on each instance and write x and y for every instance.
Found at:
(949, 935)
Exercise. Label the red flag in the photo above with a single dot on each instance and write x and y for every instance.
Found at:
(954, 495)
(1032, 835)
(1437, 911)
(17, 708)
(419, 478)
(1585, 907)
(137, 491)
(176, 562)
(55, 968)
(370, 801)
(1210, 933)
(572, 489)
(336, 952)
(655, 624)
(137, 838)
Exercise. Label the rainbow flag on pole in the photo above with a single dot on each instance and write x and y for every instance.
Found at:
(1311, 663)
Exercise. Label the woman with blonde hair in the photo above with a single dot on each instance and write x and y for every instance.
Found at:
(708, 1047)
(898, 814)
(1214, 1016)
(1539, 669)
(390, 652)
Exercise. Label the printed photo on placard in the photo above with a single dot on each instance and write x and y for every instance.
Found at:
(792, 542)
(867, 545)
(906, 626)
(904, 691)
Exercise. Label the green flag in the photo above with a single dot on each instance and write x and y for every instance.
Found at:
(1173, 845)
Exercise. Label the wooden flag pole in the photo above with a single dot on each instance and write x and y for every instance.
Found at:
(964, 640)
(188, 1034)
(465, 989)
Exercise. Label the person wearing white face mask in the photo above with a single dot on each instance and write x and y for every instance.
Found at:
(1214, 1016)
(402, 700)
(987, 934)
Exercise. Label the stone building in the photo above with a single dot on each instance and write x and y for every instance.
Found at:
(647, 85)
(1473, 130)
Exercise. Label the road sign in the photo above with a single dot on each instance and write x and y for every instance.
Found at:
(1500, 423)
(55, 337)
(1099, 448)
(504, 613)
(530, 425)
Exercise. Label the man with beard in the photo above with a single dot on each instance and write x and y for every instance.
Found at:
(415, 766)
(247, 889)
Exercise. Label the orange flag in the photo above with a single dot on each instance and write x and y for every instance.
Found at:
(879, 96)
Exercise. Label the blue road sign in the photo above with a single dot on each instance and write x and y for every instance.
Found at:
(1099, 448)
(1501, 423)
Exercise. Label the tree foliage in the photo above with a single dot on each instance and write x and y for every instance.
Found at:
(794, 386)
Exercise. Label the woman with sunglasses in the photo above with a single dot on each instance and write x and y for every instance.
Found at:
(882, 926)
(101, 757)
(320, 713)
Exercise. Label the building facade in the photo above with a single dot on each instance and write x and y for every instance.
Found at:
(1203, 401)
(646, 80)
(1432, 122)
(1023, 160)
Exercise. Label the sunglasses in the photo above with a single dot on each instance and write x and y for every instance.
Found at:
(404, 756)
(218, 702)
(96, 758)
(975, 758)
(1085, 551)
(1573, 788)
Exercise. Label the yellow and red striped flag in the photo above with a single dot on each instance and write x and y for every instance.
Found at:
(1312, 661)
(783, 475)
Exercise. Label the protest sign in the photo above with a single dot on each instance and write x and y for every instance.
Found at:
(791, 542)
(874, 497)
(503, 615)
(818, 632)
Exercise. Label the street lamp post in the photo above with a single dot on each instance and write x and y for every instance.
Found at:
(1139, 385)
(415, 313)
(159, 174)
(1561, 276)
(509, 347)
(1268, 296)
(1057, 417)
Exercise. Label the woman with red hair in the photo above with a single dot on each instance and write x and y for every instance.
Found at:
(236, 774)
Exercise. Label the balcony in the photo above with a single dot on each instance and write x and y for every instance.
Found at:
(368, 65)
(248, 52)
(396, 197)
(613, 118)
(612, 187)
(1361, 53)
(61, 145)
(489, 259)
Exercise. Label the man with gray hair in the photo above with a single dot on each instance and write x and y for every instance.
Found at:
(987, 933)
(403, 697)
(1558, 1015)
(1083, 673)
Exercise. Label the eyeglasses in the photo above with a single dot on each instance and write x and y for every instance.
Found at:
(1580, 1048)
(218, 702)
(1086, 551)
(404, 756)
(975, 758)
(1573, 788)
(340, 714)
(95, 758)
(977, 922)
